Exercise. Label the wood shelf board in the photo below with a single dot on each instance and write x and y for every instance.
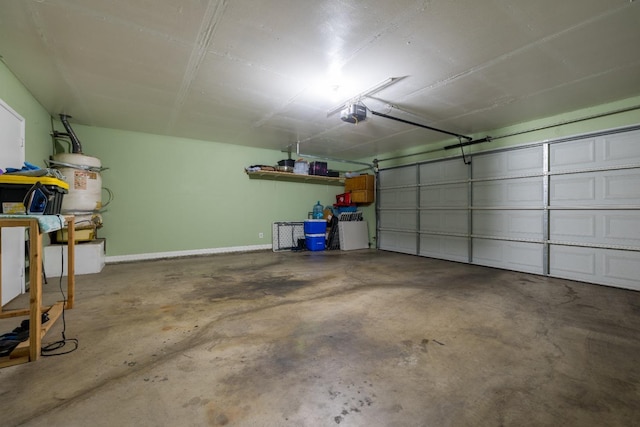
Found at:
(11, 361)
(292, 177)
(14, 313)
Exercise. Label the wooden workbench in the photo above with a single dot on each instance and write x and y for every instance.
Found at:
(29, 351)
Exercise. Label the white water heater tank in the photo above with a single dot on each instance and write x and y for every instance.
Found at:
(82, 173)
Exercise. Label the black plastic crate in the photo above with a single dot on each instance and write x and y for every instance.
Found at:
(318, 168)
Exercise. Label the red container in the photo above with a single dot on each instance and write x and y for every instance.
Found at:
(343, 199)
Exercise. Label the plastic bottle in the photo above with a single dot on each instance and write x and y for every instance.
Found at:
(318, 211)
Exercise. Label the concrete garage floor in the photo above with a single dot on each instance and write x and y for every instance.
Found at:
(361, 338)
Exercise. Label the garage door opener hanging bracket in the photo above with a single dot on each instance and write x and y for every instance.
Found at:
(457, 135)
(464, 159)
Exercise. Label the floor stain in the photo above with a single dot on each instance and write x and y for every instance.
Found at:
(344, 341)
(571, 295)
(246, 287)
(357, 398)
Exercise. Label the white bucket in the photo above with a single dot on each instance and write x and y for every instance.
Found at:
(85, 182)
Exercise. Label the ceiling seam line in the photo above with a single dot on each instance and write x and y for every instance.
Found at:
(530, 95)
(507, 55)
(205, 36)
(35, 16)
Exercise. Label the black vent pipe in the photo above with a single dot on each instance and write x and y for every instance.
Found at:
(76, 147)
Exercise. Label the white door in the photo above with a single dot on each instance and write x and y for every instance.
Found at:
(12, 155)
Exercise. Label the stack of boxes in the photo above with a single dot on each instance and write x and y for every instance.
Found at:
(362, 188)
(358, 190)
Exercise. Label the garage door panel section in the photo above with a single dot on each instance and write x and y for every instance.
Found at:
(444, 221)
(518, 256)
(609, 267)
(512, 163)
(398, 220)
(509, 224)
(607, 151)
(594, 220)
(445, 247)
(608, 227)
(568, 208)
(444, 195)
(508, 209)
(444, 214)
(398, 198)
(397, 203)
(572, 155)
(622, 187)
(395, 241)
(443, 172)
(593, 189)
(520, 192)
(619, 149)
(398, 177)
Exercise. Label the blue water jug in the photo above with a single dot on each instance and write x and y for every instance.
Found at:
(318, 211)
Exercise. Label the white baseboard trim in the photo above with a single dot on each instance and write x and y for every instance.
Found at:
(176, 254)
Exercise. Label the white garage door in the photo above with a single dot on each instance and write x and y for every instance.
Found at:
(568, 209)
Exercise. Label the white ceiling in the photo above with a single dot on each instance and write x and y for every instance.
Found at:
(249, 72)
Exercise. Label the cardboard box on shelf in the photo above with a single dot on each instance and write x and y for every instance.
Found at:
(362, 182)
(362, 196)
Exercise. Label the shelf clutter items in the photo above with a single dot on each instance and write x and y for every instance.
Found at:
(296, 167)
(338, 227)
(302, 167)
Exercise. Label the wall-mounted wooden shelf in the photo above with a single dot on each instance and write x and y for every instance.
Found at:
(292, 177)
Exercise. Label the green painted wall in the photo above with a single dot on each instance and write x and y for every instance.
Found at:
(37, 120)
(176, 194)
(173, 194)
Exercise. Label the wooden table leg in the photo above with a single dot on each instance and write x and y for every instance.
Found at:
(0, 269)
(71, 261)
(35, 291)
